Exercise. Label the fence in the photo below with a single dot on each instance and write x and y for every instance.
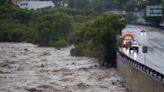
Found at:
(137, 76)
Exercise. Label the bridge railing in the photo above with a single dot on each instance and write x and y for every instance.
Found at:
(143, 68)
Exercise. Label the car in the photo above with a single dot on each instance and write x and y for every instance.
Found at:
(134, 46)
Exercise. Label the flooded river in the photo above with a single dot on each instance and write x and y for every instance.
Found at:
(24, 67)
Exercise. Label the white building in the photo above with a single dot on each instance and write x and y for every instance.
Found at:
(35, 4)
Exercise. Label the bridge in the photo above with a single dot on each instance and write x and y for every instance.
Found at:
(143, 72)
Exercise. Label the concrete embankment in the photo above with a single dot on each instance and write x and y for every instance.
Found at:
(136, 80)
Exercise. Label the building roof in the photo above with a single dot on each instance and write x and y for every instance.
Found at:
(35, 4)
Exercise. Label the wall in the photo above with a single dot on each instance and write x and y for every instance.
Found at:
(136, 80)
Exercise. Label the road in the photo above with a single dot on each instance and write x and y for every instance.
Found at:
(24, 67)
(154, 39)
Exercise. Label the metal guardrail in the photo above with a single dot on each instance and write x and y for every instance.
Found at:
(143, 68)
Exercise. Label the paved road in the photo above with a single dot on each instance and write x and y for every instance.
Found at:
(154, 39)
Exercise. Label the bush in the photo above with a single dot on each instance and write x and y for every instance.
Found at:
(11, 31)
(59, 43)
(53, 29)
(77, 51)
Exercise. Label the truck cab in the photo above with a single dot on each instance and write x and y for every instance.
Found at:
(126, 39)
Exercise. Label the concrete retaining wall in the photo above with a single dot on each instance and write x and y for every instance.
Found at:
(136, 80)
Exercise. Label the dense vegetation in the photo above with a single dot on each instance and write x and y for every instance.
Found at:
(13, 22)
(97, 38)
(92, 33)
(102, 5)
(47, 28)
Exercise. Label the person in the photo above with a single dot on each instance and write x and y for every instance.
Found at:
(130, 43)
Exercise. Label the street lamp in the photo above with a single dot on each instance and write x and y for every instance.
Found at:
(143, 37)
(144, 46)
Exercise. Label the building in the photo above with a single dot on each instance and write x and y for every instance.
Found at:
(33, 4)
(16, 1)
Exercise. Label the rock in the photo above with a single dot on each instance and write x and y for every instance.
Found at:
(82, 85)
(42, 65)
(13, 55)
(113, 83)
(46, 53)
(43, 59)
(26, 49)
(1, 72)
(58, 48)
(33, 90)
(3, 64)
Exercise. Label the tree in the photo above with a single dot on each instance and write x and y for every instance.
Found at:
(53, 28)
(118, 4)
(79, 4)
(57, 3)
(95, 5)
(2, 2)
(11, 31)
(131, 5)
(103, 5)
(23, 16)
(98, 38)
(152, 2)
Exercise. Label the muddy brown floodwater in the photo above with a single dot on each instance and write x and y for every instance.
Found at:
(24, 67)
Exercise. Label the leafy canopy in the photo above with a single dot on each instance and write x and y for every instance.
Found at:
(96, 38)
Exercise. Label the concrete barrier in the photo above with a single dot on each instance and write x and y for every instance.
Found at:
(136, 80)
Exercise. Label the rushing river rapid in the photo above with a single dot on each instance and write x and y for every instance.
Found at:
(24, 67)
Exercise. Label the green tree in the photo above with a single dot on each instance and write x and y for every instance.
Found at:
(94, 5)
(53, 28)
(103, 5)
(98, 37)
(131, 5)
(152, 2)
(118, 4)
(24, 16)
(11, 31)
(79, 4)
(2, 2)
